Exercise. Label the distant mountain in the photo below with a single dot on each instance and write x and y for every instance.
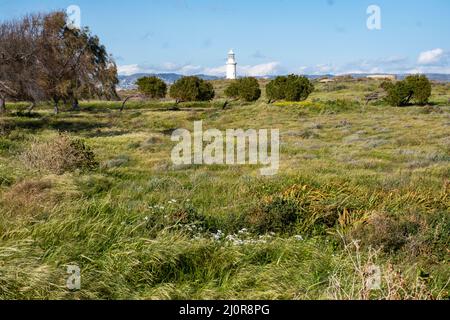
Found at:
(129, 82)
(432, 76)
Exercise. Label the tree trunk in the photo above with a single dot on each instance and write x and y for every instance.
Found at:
(75, 105)
(124, 102)
(128, 98)
(2, 105)
(225, 105)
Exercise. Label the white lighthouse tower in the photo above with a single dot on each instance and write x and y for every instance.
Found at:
(231, 66)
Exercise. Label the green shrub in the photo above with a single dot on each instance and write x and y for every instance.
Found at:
(421, 88)
(275, 89)
(278, 215)
(152, 87)
(398, 94)
(298, 88)
(192, 89)
(246, 89)
(415, 88)
(290, 88)
(232, 91)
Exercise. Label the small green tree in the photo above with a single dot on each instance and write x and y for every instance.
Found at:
(399, 94)
(152, 87)
(298, 88)
(290, 88)
(232, 91)
(275, 89)
(386, 85)
(415, 87)
(249, 89)
(246, 89)
(192, 89)
(421, 87)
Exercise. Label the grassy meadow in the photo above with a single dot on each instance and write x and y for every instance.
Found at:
(359, 187)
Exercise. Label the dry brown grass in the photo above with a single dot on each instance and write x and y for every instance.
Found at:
(365, 278)
(59, 155)
(28, 196)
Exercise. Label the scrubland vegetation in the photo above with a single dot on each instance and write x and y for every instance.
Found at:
(360, 186)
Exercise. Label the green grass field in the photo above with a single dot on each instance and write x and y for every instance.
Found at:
(369, 187)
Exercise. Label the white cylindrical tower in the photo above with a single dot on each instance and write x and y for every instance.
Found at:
(231, 66)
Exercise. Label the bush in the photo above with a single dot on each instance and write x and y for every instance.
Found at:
(246, 89)
(276, 215)
(421, 88)
(60, 155)
(152, 87)
(298, 88)
(232, 91)
(398, 94)
(387, 232)
(275, 89)
(415, 87)
(192, 89)
(290, 88)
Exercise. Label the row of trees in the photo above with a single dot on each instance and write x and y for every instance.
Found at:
(184, 89)
(43, 59)
(291, 88)
(416, 88)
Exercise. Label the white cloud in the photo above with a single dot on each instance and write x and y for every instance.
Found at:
(393, 64)
(128, 70)
(429, 69)
(434, 56)
(432, 61)
(260, 70)
(189, 69)
(218, 71)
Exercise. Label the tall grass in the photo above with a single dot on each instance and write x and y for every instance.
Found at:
(359, 188)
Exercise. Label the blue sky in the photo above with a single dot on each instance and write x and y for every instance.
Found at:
(268, 36)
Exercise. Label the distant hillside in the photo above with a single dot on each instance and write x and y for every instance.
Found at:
(432, 76)
(129, 82)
